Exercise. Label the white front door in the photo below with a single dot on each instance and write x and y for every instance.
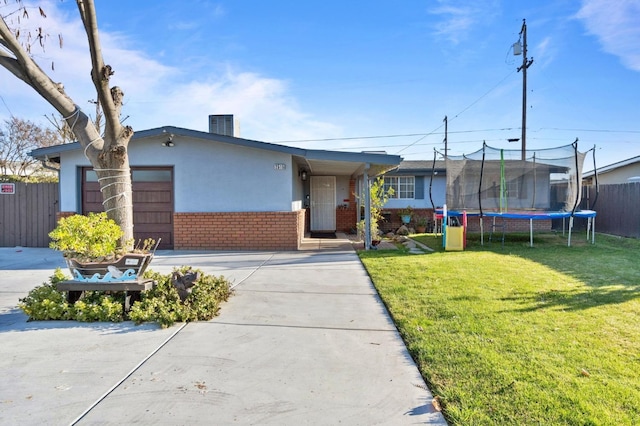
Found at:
(323, 203)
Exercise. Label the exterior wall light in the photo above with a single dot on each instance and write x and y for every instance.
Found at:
(169, 142)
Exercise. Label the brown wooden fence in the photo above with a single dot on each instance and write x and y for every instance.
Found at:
(28, 215)
(618, 208)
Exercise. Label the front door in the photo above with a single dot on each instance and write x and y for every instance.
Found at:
(323, 203)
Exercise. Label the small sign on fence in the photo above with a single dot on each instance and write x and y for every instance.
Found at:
(7, 188)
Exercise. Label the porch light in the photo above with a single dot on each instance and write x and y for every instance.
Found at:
(303, 175)
(169, 142)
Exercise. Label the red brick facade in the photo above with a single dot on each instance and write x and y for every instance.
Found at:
(347, 213)
(239, 231)
(510, 225)
(60, 215)
(393, 221)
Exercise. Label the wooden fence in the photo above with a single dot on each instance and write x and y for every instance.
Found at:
(28, 215)
(618, 208)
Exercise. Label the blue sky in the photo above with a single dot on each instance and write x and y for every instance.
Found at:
(361, 75)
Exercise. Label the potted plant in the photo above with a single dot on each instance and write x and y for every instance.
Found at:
(406, 214)
(421, 224)
(89, 245)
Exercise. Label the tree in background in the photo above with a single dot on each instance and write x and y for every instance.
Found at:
(17, 138)
(108, 154)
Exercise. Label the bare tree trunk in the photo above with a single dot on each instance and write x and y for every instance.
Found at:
(112, 168)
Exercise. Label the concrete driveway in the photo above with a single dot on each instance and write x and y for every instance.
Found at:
(304, 340)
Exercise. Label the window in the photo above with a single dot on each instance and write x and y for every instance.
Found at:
(138, 175)
(403, 186)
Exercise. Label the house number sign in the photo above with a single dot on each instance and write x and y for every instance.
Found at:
(8, 188)
(280, 166)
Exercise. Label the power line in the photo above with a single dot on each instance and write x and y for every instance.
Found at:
(590, 130)
(392, 136)
(6, 106)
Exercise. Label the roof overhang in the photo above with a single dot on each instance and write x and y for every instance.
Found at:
(317, 162)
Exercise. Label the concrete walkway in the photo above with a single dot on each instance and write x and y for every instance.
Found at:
(304, 340)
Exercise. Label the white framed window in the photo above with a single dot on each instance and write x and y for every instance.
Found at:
(404, 187)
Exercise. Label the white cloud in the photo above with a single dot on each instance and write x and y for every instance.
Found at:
(262, 105)
(615, 24)
(460, 17)
(157, 95)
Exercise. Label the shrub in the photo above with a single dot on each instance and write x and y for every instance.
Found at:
(160, 304)
(86, 237)
(45, 302)
(378, 198)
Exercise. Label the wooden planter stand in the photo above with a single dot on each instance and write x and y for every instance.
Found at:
(132, 289)
(137, 262)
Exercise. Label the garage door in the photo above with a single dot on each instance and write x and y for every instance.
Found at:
(152, 202)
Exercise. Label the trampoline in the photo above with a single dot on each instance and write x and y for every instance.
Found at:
(499, 184)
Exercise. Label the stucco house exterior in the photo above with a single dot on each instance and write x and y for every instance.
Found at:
(626, 171)
(212, 190)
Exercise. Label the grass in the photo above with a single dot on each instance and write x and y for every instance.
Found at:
(514, 334)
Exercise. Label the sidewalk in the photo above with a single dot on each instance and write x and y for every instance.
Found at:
(304, 340)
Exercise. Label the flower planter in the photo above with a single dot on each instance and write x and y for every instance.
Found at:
(406, 218)
(138, 262)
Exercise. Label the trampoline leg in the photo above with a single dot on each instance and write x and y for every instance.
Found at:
(530, 232)
(570, 228)
(588, 227)
(481, 233)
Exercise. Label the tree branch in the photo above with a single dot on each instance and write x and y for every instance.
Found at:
(13, 66)
(25, 68)
(100, 73)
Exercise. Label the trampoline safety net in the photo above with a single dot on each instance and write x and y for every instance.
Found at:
(501, 180)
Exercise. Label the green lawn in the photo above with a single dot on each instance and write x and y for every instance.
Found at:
(519, 335)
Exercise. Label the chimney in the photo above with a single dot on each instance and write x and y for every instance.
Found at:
(224, 124)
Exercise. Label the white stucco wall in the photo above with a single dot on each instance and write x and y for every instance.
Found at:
(619, 175)
(208, 176)
(219, 177)
(69, 180)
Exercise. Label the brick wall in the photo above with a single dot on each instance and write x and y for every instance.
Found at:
(60, 215)
(346, 218)
(393, 221)
(239, 230)
(510, 225)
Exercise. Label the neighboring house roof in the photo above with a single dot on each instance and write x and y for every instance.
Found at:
(316, 161)
(613, 166)
(420, 167)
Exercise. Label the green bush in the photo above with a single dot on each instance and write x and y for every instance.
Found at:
(86, 237)
(160, 304)
(45, 302)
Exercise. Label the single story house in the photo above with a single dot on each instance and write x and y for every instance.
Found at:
(626, 171)
(212, 190)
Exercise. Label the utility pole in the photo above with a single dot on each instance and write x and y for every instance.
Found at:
(446, 123)
(526, 63)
